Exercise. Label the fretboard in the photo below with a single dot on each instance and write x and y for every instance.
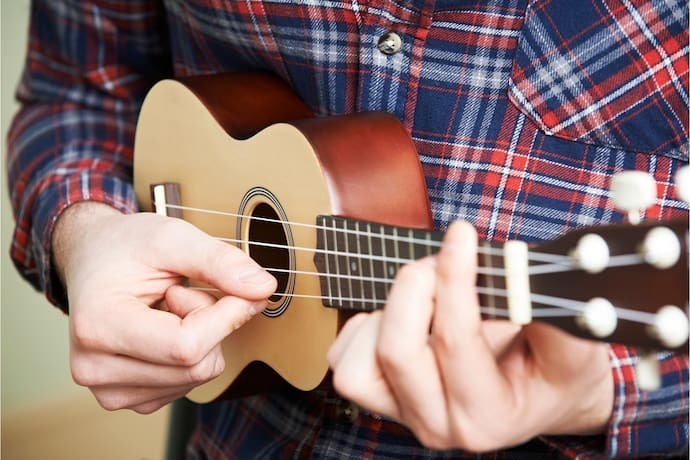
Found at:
(358, 261)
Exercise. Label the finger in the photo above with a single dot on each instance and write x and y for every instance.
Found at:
(182, 300)
(152, 406)
(179, 247)
(116, 398)
(93, 369)
(344, 338)
(356, 373)
(406, 359)
(161, 337)
(457, 329)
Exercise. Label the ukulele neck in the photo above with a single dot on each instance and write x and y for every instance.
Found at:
(358, 261)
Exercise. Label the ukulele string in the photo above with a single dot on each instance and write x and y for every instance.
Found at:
(558, 307)
(535, 256)
(559, 263)
(565, 266)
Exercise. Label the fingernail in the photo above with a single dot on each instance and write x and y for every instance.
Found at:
(255, 275)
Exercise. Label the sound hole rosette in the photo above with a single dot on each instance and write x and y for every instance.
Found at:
(262, 219)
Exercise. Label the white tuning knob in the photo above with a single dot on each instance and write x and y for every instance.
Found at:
(591, 253)
(633, 191)
(661, 248)
(599, 317)
(671, 326)
(648, 377)
(683, 183)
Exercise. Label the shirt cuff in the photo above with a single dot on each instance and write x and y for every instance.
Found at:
(61, 192)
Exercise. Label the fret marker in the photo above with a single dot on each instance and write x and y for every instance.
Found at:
(391, 271)
(353, 266)
(517, 281)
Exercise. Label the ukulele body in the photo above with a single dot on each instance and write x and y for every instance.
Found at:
(244, 144)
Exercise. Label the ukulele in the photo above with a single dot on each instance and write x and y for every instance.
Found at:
(333, 206)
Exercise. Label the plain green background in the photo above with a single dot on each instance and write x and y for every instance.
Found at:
(35, 357)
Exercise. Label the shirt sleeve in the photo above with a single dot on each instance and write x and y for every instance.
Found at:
(648, 422)
(88, 67)
(643, 424)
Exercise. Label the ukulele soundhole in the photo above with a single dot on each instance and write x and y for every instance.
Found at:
(268, 240)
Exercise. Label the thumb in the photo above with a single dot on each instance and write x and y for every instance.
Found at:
(182, 248)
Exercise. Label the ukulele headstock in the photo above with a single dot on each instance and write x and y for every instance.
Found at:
(628, 284)
(625, 283)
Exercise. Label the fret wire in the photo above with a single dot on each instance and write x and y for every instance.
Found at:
(359, 262)
(396, 249)
(347, 259)
(385, 268)
(328, 270)
(412, 247)
(371, 265)
(337, 267)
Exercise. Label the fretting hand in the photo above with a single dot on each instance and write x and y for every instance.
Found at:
(116, 268)
(428, 361)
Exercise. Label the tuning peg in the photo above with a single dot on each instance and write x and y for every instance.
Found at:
(670, 326)
(633, 191)
(591, 253)
(599, 317)
(683, 183)
(647, 369)
(661, 248)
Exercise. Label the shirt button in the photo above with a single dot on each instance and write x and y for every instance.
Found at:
(389, 43)
(348, 412)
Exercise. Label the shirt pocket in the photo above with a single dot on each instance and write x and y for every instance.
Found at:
(606, 72)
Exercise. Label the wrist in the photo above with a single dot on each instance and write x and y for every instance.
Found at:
(70, 229)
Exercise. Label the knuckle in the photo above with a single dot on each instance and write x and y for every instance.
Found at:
(111, 401)
(416, 274)
(433, 437)
(343, 384)
(149, 408)
(202, 371)
(83, 373)
(445, 338)
(389, 357)
(186, 350)
(84, 334)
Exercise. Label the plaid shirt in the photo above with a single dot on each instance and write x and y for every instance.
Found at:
(520, 112)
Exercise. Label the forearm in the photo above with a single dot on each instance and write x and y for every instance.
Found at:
(88, 68)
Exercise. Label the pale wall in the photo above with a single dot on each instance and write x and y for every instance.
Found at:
(38, 396)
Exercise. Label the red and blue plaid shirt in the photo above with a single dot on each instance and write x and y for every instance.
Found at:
(521, 112)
